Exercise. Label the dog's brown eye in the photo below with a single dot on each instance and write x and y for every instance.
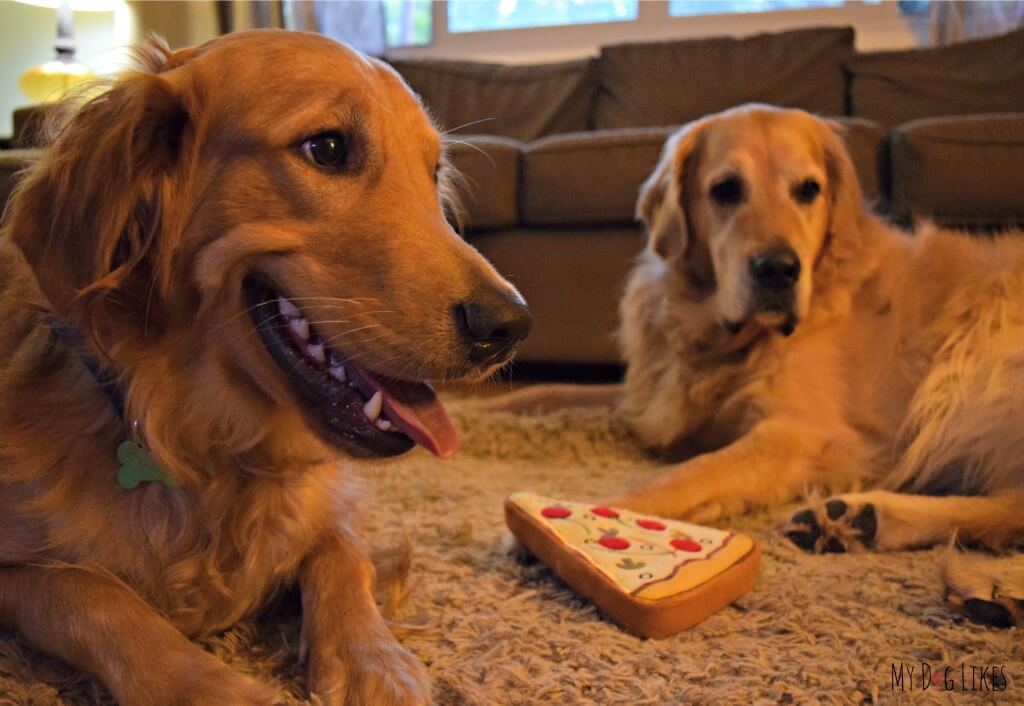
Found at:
(728, 191)
(328, 150)
(807, 190)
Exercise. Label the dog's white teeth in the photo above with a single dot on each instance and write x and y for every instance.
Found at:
(287, 309)
(300, 327)
(338, 373)
(316, 352)
(383, 424)
(372, 408)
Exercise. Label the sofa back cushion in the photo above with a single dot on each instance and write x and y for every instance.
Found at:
(983, 76)
(961, 171)
(670, 83)
(521, 102)
(594, 178)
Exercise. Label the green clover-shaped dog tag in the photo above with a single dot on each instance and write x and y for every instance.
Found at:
(138, 466)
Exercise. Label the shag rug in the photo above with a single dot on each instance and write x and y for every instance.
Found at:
(499, 628)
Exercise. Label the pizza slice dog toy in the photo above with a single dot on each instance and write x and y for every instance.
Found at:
(652, 576)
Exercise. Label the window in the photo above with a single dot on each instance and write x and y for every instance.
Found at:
(407, 22)
(482, 15)
(410, 22)
(685, 8)
(915, 7)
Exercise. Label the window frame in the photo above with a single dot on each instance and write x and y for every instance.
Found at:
(878, 26)
(528, 27)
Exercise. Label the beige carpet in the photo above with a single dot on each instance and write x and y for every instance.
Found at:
(504, 630)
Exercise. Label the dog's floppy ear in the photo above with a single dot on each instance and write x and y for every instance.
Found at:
(88, 214)
(660, 205)
(846, 208)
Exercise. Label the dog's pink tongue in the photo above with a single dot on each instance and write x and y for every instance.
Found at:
(414, 408)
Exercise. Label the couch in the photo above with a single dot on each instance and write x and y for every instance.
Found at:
(552, 156)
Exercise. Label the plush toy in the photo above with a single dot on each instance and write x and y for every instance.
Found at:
(652, 576)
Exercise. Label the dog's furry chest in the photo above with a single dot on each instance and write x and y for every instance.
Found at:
(686, 404)
(228, 561)
(204, 555)
(204, 558)
(687, 379)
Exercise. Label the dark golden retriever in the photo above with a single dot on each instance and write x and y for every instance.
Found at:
(780, 337)
(236, 260)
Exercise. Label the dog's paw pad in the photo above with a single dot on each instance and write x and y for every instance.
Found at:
(833, 545)
(836, 509)
(866, 522)
(988, 613)
(835, 527)
(804, 530)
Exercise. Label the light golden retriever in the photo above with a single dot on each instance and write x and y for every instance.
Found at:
(780, 337)
(236, 258)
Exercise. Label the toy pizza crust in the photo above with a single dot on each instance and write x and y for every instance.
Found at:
(651, 575)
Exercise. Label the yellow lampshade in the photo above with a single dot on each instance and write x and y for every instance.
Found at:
(52, 80)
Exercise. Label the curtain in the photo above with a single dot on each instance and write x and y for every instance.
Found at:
(958, 21)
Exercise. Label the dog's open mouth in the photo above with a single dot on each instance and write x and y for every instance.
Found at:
(362, 412)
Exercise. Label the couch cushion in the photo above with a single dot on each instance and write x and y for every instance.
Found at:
(869, 150)
(669, 83)
(983, 76)
(588, 178)
(522, 102)
(11, 163)
(573, 279)
(963, 171)
(595, 177)
(487, 185)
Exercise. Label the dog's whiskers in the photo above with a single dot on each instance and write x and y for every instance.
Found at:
(273, 302)
(450, 140)
(449, 131)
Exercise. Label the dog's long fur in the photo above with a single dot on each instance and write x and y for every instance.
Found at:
(136, 227)
(905, 373)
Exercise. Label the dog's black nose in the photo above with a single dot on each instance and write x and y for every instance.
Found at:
(492, 324)
(776, 268)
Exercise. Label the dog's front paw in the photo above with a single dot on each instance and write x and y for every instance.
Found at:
(835, 526)
(370, 673)
(207, 683)
(987, 589)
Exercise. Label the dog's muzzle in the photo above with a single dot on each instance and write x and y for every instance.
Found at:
(774, 273)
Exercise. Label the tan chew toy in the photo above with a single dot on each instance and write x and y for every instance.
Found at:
(652, 576)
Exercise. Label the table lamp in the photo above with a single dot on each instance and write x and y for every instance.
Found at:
(51, 80)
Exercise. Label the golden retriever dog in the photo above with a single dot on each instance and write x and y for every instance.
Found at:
(236, 262)
(780, 337)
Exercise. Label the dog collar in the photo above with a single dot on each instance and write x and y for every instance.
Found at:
(137, 463)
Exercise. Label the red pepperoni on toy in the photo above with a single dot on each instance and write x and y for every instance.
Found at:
(617, 543)
(685, 545)
(554, 512)
(651, 525)
(604, 512)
